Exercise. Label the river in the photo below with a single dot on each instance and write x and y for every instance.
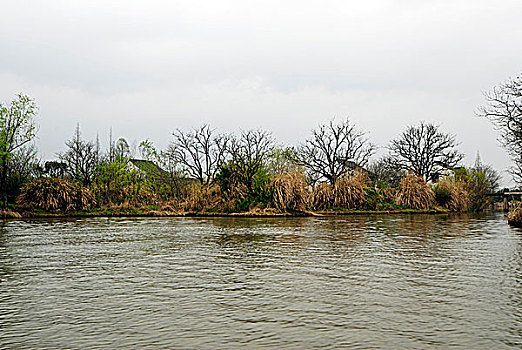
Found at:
(354, 282)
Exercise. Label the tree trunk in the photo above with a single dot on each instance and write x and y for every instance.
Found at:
(3, 183)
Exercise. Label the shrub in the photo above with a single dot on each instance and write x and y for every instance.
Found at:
(477, 185)
(289, 191)
(414, 193)
(515, 217)
(56, 194)
(239, 196)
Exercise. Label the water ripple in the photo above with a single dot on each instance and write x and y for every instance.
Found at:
(420, 282)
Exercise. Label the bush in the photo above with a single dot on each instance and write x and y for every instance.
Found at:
(238, 195)
(477, 185)
(116, 184)
(414, 193)
(56, 194)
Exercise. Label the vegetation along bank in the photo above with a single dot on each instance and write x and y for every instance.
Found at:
(204, 172)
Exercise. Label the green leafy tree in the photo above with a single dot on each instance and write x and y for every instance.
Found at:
(17, 128)
(164, 175)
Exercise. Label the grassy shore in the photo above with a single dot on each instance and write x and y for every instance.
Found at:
(17, 212)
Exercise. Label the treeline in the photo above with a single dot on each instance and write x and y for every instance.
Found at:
(206, 171)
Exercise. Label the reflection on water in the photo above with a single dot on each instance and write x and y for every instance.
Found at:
(398, 281)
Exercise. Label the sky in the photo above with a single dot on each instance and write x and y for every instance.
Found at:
(146, 68)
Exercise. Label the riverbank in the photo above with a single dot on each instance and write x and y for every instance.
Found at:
(256, 212)
(515, 217)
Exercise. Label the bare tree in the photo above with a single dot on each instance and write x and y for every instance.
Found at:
(425, 151)
(81, 158)
(385, 172)
(249, 153)
(491, 176)
(504, 109)
(334, 150)
(200, 152)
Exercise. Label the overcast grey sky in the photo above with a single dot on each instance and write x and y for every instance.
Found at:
(145, 68)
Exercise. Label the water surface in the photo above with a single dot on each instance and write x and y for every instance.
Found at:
(420, 281)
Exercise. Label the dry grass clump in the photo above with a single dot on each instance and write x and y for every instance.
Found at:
(349, 192)
(133, 194)
(203, 197)
(515, 217)
(56, 194)
(458, 197)
(290, 191)
(323, 196)
(9, 214)
(414, 193)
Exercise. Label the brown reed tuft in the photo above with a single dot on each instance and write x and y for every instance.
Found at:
(323, 196)
(414, 193)
(290, 191)
(56, 194)
(203, 197)
(459, 198)
(349, 192)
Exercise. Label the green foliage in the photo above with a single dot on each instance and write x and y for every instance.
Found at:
(17, 128)
(162, 172)
(117, 184)
(17, 125)
(442, 195)
(478, 186)
(260, 193)
(283, 160)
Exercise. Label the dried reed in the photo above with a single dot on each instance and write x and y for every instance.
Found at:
(349, 192)
(414, 193)
(56, 194)
(203, 197)
(323, 196)
(290, 191)
(459, 199)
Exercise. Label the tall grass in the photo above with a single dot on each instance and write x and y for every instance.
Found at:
(203, 197)
(56, 194)
(414, 193)
(452, 194)
(290, 191)
(348, 192)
